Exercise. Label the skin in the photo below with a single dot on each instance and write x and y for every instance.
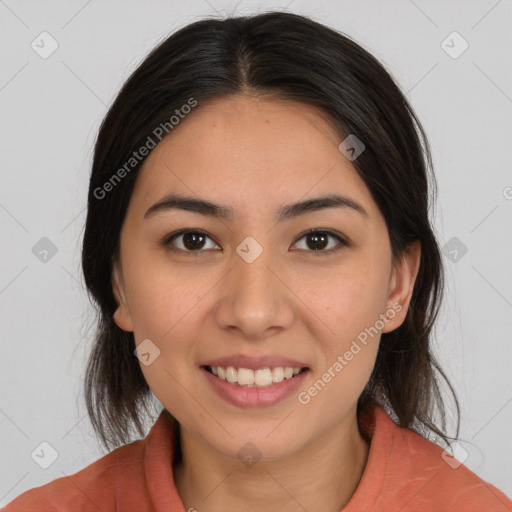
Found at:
(253, 155)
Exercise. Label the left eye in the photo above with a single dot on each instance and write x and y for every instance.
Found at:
(194, 241)
(317, 241)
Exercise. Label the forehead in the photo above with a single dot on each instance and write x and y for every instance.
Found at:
(252, 151)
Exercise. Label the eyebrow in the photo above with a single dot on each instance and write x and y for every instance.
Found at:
(285, 212)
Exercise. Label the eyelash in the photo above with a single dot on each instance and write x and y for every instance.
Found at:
(167, 242)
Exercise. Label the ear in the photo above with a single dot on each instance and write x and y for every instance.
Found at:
(401, 286)
(122, 316)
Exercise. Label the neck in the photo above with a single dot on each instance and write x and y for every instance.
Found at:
(323, 475)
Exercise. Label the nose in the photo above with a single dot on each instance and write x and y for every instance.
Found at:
(255, 298)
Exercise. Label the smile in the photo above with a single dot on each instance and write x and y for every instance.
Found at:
(260, 378)
(254, 388)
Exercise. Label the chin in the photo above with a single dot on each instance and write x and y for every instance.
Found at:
(262, 442)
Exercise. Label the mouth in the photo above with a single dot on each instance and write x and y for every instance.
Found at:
(254, 387)
(255, 378)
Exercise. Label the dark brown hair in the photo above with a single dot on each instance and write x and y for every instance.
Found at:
(287, 56)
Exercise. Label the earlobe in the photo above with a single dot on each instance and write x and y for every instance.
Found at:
(122, 316)
(401, 286)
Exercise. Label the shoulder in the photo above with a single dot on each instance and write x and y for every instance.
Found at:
(446, 480)
(409, 473)
(90, 489)
(428, 478)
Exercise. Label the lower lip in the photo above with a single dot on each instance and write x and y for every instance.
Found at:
(242, 396)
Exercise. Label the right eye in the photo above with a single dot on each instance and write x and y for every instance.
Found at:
(190, 240)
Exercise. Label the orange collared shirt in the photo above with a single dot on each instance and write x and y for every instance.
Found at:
(404, 473)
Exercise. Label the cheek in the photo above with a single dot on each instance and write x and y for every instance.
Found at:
(349, 300)
(165, 310)
(349, 304)
(160, 301)
(348, 349)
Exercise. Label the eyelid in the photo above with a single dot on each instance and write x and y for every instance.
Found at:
(343, 242)
(168, 239)
(327, 231)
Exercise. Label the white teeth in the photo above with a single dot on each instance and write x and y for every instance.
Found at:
(245, 377)
(278, 374)
(231, 375)
(262, 378)
(288, 372)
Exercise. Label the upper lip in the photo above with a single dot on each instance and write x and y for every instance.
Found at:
(254, 363)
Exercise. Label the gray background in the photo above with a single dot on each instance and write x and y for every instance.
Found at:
(50, 111)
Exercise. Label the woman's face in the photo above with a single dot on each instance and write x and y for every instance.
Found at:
(250, 290)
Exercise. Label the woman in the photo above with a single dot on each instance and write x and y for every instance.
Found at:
(259, 248)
